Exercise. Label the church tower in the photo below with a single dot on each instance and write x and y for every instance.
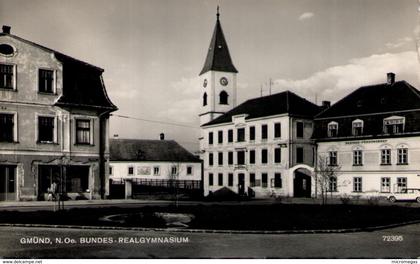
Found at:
(218, 78)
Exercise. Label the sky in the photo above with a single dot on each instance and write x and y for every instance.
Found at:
(153, 50)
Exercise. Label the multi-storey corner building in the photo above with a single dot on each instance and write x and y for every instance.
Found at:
(144, 166)
(260, 147)
(373, 134)
(54, 113)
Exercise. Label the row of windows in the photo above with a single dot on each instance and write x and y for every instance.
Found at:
(391, 125)
(45, 78)
(46, 129)
(385, 183)
(240, 157)
(156, 170)
(240, 133)
(223, 98)
(402, 157)
(275, 182)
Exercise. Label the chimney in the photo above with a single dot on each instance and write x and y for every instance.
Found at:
(390, 80)
(326, 104)
(6, 29)
(162, 136)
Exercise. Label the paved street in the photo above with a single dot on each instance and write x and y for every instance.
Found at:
(352, 245)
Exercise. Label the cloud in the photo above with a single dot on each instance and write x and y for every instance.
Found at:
(306, 16)
(335, 82)
(398, 43)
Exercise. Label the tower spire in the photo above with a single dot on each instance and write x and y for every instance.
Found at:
(218, 56)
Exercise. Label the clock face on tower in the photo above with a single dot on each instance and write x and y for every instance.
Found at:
(223, 81)
(205, 83)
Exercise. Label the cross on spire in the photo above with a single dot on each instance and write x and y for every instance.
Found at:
(217, 14)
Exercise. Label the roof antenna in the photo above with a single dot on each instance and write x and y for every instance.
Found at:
(217, 14)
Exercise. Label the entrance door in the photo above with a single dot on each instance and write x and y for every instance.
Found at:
(302, 185)
(7, 183)
(241, 184)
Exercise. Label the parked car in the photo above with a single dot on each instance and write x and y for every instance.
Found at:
(405, 195)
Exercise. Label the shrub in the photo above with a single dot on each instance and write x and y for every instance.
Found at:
(345, 200)
(373, 200)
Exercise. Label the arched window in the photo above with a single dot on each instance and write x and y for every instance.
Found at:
(223, 97)
(205, 99)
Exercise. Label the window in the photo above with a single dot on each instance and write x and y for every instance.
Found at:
(210, 159)
(264, 156)
(252, 179)
(110, 170)
(220, 158)
(402, 156)
(394, 125)
(402, 185)
(156, 171)
(130, 170)
(210, 179)
(174, 171)
(332, 184)
(7, 127)
(299, 129)
(230, 158)
(220, 179)
(385, 157)
(241, 134)
(332, 155)
(264, 180)
(6, 76)
(230, 135)
(357, 127)
(277, 180)
(45, 129)
(82, 131)
(252, 133)
(333, 129)
(252, 157)
(277, 155)
(264, 132)
(357, 158)
(204, 99)
(189, 170)
(223, 98)
(210, 138)
(277, 130)
(45, 81)
(386, 184)
(230, 179)
(241, 157)
(220, 137)
(299, 154)
(357, 184)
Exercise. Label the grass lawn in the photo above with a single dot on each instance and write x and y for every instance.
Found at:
(236, 217)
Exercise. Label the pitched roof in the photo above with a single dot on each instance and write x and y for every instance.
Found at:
(218, 56)
(82, 82)
(149, 150)
(378, 98)
(280, 103)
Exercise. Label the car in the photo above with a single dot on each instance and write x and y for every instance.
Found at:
(408, 194)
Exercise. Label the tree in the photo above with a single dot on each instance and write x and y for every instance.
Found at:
(174, 172)
(326, 177)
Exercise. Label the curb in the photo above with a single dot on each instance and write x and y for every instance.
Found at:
(211, 231)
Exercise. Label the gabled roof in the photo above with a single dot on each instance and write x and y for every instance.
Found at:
(218, 56)
(149, 150)
(82, 82)
(378, 98)
(280, 103)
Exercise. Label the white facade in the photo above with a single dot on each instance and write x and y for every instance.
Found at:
(378, 176)
(273, 176)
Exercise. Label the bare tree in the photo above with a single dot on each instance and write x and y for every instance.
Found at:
(174, 172)
(326, 177)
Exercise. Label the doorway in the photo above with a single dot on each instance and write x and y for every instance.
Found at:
(302, 183)
(7, 183)
(241, 184)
